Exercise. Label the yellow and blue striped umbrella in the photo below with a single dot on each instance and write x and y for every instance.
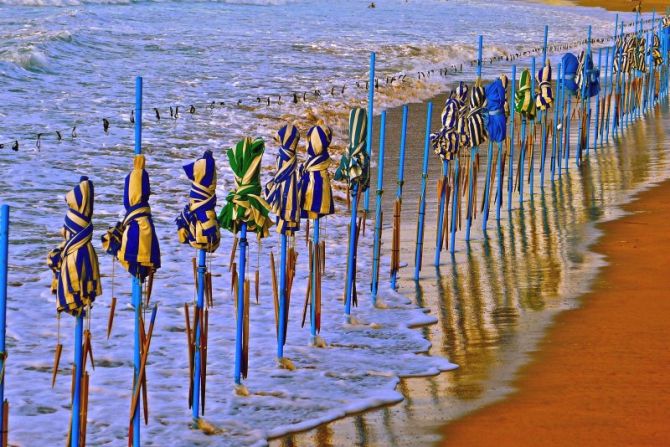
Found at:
(545, 95)
(281, 192)
(316, 195)
(74, 262)
(197, 223)
(355, 164)
(245, 204)
(133, 241)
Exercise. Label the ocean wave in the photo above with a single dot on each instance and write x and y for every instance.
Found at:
(56, 3)
(31, 59)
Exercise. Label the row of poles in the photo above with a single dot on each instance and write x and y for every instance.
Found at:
(634, 97)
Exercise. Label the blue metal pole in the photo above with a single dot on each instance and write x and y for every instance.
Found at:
(202, 267)
(418, 252)
(4, 258)
(618, 105)
(282, 298)
(522, 158)
(582, 117)
(401, 172)
(440, 217)
(371, 101)
(454, 211)
(544, 113)
(611, 68)
(239, 334)
(473, 153)
(499, 174)
(597, 120)
(136, 283)
(315, 266)
(351, 261)
(378, 210)
(603, 121)
(487, 186)
(554, 136)
(544, 48)
(568, 119)
(510, 176)
(76, 398)
(531, 162)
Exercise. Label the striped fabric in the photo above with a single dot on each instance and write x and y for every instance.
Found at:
(462, 95)
(355, 164)
(316, 195)
(590, 73)
(656, 51)
(666, 21)
(281, 192)
(133, 241)
(495, 105)
(640, 62)
(505, 84)
(245, 204)
(523, 102)
(570, 66)
(197, 224)
(74, 263)
(544, 96)
(475, 117)
(445, 142)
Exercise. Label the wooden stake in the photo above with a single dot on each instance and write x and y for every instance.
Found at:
(275, 292)
(189, 336)
(59, 350)
(5, 424)
(84, 410)
(142, 371)
(110, 320)
(231, 264)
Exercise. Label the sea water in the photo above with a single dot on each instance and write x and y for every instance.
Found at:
(67, 64)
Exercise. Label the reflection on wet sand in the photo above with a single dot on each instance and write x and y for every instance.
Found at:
(495, 297)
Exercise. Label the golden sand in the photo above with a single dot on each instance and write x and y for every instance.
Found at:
(600, 375)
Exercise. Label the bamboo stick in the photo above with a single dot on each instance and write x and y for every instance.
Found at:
(59, 350)
(309, 284)
(257, 284)
(231, 264)
(84, 410)
(189, 336)
(275, 292)
(110, 320)
(142, 371)
(5, 424)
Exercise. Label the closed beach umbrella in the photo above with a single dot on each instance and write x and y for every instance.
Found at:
(524, 103)
(197, 225)
(505, 83)
(495, 105)
(445, 142)
(245, 204)
(656, 50)
(76, 285)
(316, 198)
(316, 195)
(570, 66)
(133, 241)
(355, 163)
(74, 262)
(245, 210)
(545, 94)
(281, 192)
(591, 74)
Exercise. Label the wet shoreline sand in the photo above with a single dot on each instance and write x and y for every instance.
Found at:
(598, 376)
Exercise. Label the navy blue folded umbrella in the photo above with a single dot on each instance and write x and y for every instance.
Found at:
(570, 67)
(495, 105)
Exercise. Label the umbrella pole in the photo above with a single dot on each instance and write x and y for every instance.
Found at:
(616, 29)
(555, 133)
(315, 271)
(522, 158)
(418, 252)
(605, 105)
(544, 113)
(473, 154)
(440, 219)
(487, 187)
(566, 145)
(76, 396)
(597, 123)
(499, 174)
(136, 283)
(282, 299)
(4, 243)
(454, 208)
(352, 254)
(202, 267)
(510, 175)
(378, 210)
(240, 302)
(531, 160)
(368, 141)
(401, 179)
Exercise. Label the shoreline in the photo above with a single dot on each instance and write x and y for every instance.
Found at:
(596, 379)
(622, 5)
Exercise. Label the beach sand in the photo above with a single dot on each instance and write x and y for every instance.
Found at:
(626, 5)
(599, 376)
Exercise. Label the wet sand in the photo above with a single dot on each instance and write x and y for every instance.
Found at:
(599, 377)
